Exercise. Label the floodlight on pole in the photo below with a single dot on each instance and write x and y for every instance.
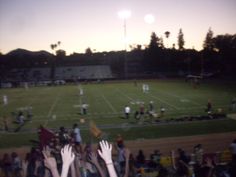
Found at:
(124, 15)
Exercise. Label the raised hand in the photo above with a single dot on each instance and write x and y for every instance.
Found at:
(50, 162)
(93, 157)
(105, 151)
(209, 162)
(127, 153)
(47, 151)
(67, 155)
(24, 168)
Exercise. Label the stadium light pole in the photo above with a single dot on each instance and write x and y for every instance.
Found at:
(124, 15)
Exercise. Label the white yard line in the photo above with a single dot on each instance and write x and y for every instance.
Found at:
(171, 105)
(125, 95)
(109, 104)
(51, 109)
(175, 107)
(179, 97)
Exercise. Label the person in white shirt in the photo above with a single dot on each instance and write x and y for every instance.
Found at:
(77, 138)
(5, 100)
(84, 108)
(81, 92)
(127, 111)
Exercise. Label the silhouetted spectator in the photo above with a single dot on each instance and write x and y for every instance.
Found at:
(140, 159)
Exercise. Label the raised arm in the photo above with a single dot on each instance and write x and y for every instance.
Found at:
(94, 160)
(77, 166)
(50, 163)
(24, 168)
(106, 155)
(173, 159)
(127, 154)
(67, 158)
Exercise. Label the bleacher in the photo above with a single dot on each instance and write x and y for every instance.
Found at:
(29, 75)
(83, 72)
(34, 76)
(39, 74)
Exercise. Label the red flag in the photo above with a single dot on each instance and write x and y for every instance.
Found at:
(45, 136)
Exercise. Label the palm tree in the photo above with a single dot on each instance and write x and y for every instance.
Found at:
(54, 46)
(167, 33)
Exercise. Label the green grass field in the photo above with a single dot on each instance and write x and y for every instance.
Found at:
(57, 106)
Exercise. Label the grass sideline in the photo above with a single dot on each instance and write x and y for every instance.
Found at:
(60, 105)
(147, 132)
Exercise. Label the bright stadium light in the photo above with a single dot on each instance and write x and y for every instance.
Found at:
(149, 18)
(124, 14)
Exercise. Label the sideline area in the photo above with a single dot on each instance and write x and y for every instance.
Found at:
(211, 143)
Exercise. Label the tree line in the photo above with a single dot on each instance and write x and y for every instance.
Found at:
(217, 56)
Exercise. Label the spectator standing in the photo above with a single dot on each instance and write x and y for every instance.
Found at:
(121, 158)
(198, 151)
(119, 141)
(140, 159)
(6, 165)
(16, 164)
(63, 136)
(233, 151)
(77, 138)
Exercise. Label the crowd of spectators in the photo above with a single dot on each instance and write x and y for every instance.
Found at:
(65, 155)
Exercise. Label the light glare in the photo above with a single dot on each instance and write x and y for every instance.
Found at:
(124, 14)
(149, 18)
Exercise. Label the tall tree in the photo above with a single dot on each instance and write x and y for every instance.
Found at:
(181, 40)
(154, 42)
(88, 51)
(152, 56)
(53, 47)
(61, 53)
(208, 43)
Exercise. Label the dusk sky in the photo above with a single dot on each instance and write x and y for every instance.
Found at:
(79, 24)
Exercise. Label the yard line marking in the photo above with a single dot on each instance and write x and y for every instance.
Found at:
(50, 110)
(75, 117)
(171, 105)
(176, 96)
(109, 103)
(152, 97)
(125, 95)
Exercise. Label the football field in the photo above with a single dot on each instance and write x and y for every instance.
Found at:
(56, 106)
(61, 105)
